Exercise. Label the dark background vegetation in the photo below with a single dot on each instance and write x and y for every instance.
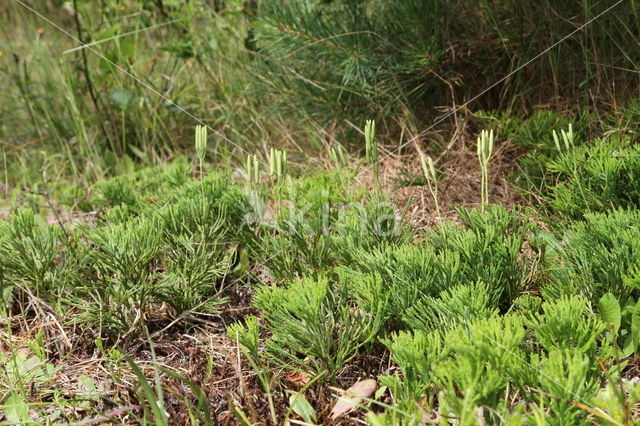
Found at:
(293, 73)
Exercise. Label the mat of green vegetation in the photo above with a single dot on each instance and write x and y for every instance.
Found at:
(273, 272)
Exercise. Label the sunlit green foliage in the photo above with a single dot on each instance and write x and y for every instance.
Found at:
(314, 325)
(289, 281)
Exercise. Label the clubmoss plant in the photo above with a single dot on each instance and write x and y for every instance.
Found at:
(485, 357)
(567, 139)
(371, 146)
(314, 327)
(596, 256)
(122, 260)
(247, 336)
(252, 168)
(338, 156)
(485, 149)
(430, 176)
(277, 163)
(201, 146)
(567, 323)
(28, 249)
(564, 377)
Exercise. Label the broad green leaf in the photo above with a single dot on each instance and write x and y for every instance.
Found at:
(89, 386)
(122, 98)
(139, 153)
(635, 331)
(301, 407)
(126, 49)
(628, 348)
(16, 409)
(109, 32)
(380, 392)
(610, 312)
